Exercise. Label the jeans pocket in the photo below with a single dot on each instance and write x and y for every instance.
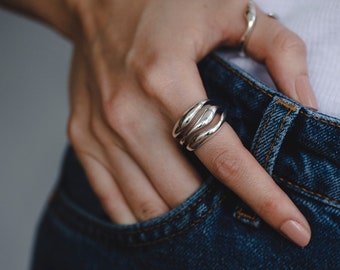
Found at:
(189, 214)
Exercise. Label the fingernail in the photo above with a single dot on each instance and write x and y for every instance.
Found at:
(305, 92)
(296, 232)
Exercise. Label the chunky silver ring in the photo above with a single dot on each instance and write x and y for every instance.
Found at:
(251, 19)
(198, 124)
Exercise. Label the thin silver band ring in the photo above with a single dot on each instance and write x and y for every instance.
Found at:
(251, 20)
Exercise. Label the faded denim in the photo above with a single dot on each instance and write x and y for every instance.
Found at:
(213, 229)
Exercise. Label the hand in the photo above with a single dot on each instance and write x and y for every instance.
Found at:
(134, 74)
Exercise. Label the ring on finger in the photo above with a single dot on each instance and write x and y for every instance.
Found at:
(251, 20)
(198, 124)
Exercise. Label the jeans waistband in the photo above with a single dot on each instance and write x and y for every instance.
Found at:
(294, 143)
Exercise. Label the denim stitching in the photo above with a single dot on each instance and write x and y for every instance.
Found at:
(286, 105)
(93, 235)
(275, 138)
(266, 93)
(241, 214)
(306, 190)
(264, 129)
(236, 73)
(322, 120)
(179, 215)
(190, 226)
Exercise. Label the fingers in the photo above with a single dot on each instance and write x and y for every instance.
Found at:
(89, 151)
(132, 149)
(108, 192)
(127, 192)
(269, 42)
(284, 54)
(146, 203)
(226, 158)
(139, 193)
(149, 144)
(169, 172)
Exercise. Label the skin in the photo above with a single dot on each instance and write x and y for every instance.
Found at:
(134, 74)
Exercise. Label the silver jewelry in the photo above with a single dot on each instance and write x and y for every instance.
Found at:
(197, 124)
(251, 19)
(273, 15)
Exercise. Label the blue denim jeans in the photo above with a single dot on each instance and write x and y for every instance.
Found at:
(213, 229)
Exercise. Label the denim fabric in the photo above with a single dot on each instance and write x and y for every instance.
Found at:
(213, 229)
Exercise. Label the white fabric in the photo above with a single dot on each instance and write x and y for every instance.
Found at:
(317, 22)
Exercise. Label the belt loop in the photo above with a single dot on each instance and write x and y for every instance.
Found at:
(276, 121)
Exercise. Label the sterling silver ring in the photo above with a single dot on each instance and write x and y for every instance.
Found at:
(198, 124)
(251, 20)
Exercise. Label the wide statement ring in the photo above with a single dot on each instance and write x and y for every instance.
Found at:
(198, 124)
(251, 19)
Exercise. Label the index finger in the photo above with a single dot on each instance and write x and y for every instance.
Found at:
(231, 163)
(226, 157)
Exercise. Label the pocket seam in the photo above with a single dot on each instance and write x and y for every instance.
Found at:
(103, 237)
(178, 216)
(190, 226)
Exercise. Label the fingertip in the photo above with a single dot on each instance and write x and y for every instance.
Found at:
(305, 92)
(296, 232)
(285, 56)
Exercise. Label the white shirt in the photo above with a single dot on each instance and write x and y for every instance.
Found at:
(317, 22)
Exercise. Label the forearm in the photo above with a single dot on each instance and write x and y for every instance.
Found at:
(56, 13)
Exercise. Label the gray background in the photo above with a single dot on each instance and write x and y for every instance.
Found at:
(34, 64)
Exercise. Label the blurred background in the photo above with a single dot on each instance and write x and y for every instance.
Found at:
(34, 65)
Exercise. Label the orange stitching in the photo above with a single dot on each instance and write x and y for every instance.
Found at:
(266, 93)
(275, 138)
(286, 105)
(241, 214)
(306, 190)
(322, 120)
(264, 129)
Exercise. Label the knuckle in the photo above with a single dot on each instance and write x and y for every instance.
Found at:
(149, 210)
(76, 131)
(153, 72)
(269, 206)
(228, 165)
(288, 41)
(123, 119)
(143, 67)
(117, 116)
(97, 130)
